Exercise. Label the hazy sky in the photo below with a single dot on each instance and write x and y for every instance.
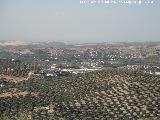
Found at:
(68, 20)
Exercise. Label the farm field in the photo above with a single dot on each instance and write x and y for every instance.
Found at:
(99, 95)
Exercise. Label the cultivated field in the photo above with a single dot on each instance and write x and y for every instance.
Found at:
(102, 95)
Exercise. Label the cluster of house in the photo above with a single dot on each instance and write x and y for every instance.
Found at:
(55, 71)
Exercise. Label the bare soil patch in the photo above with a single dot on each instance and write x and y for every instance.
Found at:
(13, 78)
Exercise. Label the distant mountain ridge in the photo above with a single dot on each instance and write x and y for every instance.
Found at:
(17, 43)
(13, 43)
(56, 44)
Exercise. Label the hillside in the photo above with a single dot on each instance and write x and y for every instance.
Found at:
(95, 96)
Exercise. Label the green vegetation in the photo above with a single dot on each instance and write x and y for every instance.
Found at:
(102, 94)
(25, 116)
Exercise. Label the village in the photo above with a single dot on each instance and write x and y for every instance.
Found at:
(85, 82)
